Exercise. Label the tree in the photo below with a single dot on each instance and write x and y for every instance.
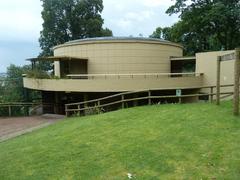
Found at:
(206, 25)
(11, 86)
(106, 32)
(162, 33)
(12, 90)
(158, 33)
(176, 33)
(66, 20)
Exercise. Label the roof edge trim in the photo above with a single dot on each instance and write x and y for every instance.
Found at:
(117, 39)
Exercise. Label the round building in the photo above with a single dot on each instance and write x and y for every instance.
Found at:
(119, 55)
(93, 68)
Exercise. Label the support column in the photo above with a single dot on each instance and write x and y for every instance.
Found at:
(56, 103)
(57, 69)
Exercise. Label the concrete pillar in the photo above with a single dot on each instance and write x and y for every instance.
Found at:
(56, 103)
(57, 71)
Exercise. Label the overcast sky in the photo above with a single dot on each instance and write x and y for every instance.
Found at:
(20, 24)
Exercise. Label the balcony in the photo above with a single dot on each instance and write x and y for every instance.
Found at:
(116, 82)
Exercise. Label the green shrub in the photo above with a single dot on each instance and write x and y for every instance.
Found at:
(38, 74)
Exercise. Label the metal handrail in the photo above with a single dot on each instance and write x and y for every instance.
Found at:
(132, 75)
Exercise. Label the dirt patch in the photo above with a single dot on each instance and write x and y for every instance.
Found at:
(12, 127)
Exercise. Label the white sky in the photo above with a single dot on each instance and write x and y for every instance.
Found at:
(20, 24)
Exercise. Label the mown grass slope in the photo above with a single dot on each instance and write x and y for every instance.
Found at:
(190, 141)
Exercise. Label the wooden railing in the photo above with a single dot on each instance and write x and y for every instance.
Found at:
(132, 76)
(98, 104)
(10, 106)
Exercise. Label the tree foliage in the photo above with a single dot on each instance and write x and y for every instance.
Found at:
(12, 91)
(66, 20)
(11, 86)
(161, 33)
(204, 25)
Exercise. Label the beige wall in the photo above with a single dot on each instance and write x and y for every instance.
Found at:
(111, 85)
(207, 63)
(121, 57)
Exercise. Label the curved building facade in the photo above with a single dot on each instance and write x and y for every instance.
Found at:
(122, 55)
(97, 67)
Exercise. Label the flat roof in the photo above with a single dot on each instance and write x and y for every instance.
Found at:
(118, 39)
(56, 58)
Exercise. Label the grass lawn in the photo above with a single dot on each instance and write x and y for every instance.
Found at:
(190, 141)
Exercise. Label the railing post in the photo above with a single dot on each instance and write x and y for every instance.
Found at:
(98, 107)
(218, 80)
(9, 110)
(79, 111)
(135, 103)
(66, 110)
(236, 82)
(85, 98)
(28, 113)
(122, 101)
(85, 105)
(149, 98)
(211, 95)
(180, 100)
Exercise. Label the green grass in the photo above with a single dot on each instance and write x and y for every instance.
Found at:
(191, 141)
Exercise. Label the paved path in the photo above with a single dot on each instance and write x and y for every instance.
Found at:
(12, 127)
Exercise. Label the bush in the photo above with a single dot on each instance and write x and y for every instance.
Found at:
(94, 110)
(90, 111)
(38, 74)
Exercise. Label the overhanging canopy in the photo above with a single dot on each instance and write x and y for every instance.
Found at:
(56, 58)
(192, 58)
